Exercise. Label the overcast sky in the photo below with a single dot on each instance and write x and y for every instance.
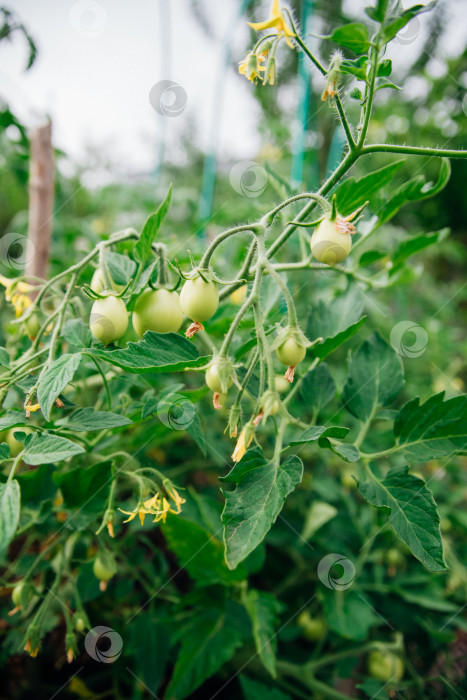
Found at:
(98, 61)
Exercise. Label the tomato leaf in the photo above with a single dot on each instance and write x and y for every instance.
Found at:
(55, 379)
(87, 419)
(4, 358)
(353, 193)
(157, 352)
(410, 246)
(414, 190)
(252, 507)
(121, 267)
(199, 552)
(318, 388)
(11, 419)
(10, 500)
(336, 322)
(352, 36)
(263, 608)
(77, 333)
(348, 613)
(142, 249)
(44, 448)
(434, 429)
(209, 642)
(412, 511)
(397, 22)
(375, 378)
(319, 431)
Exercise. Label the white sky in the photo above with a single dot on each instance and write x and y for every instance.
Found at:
(99, 59)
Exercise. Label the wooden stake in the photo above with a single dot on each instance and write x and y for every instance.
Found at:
(41, 196)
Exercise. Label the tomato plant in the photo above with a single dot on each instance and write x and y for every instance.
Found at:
(244, 487)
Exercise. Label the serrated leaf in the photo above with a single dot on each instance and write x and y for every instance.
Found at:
(121, 267)
(318, 388)
(11, 419)
(317, 431)
(55, 379)
(353, 36)
(253, 506)
(142, 250)
(395, 23)
(353, 192)
(349, 453)
(263, 609)
(4, 358)
(87, 419)
(77, 333)
(4, 451)
(374, 379)
(209, 642)
(348, 614)
(10, 503)
(433, 429)
(414, 190)
(157, 352)
(413, 514)
(336, 322)
(410, 246)
(200, 553)
(44, 448)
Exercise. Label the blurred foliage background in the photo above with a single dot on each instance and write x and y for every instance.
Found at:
(298, 149)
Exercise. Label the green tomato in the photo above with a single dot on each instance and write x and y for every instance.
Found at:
(291, 353)
(80, 624)
(281, 384)
(157, 310)
(199, 299)
(313, 629)
(98, 284)
(16, 594)
(394, 557)
(328, 245)
(32, 325)
(212, 379)
(104, 571)
(12, 442)
(109, 319)
(347, 479)
(274, 410)
(385, 666)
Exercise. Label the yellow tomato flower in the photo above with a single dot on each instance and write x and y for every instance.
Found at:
(16, 292)
(276, 21)
(157, 505)
(243, 442)
(251, 66)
